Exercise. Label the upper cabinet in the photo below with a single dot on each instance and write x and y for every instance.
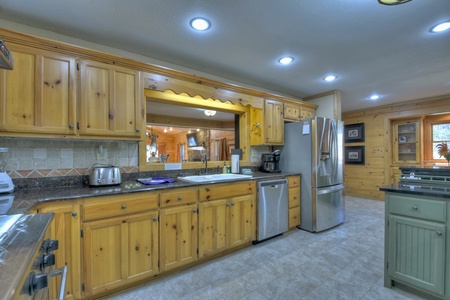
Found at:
(38, 96)
(407, 141)
(291, 112)
(273, 122)
(110, 103)
(307, 112)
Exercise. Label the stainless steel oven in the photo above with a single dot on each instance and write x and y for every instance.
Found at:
(27, 257)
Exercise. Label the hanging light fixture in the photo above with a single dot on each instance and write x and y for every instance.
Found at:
(209, 113)
(392, 2)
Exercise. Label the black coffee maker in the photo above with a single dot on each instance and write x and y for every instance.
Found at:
(270, 162)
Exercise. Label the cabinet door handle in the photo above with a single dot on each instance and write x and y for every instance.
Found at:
(180, 198)
(232, 203)
(155, 219)
(439, 232)
(195, 211)
(124, 206)
(138, 130)
(71, 126)
(415, 207)
(74, 214)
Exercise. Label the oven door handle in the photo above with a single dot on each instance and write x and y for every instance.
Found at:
(62, 287)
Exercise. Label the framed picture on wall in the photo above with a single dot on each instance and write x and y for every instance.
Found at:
(354, 133)
(354, 155)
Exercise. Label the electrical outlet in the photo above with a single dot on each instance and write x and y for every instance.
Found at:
(101, 157)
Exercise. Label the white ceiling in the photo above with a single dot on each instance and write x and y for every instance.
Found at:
(373, 48)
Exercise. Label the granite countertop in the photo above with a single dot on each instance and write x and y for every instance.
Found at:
(25, 199)
(441, 191)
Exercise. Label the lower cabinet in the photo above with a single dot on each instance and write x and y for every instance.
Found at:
(66, 229)
(416, 253)
(225, 223)
(294, 201)
(179, 236)
(120, 250)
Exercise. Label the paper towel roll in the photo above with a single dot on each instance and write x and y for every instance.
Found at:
(235, 163)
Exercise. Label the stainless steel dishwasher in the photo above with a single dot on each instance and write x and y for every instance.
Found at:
(273, 212)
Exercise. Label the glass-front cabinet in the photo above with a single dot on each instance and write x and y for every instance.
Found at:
(407, 141)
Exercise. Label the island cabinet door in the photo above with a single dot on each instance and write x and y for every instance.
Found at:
(213, 227)
(178, 236)
(241, 219)
(119, 250)
(416, 253)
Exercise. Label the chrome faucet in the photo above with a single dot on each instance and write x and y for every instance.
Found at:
(205, 160)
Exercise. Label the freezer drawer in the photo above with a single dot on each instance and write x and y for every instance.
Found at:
(273, 212)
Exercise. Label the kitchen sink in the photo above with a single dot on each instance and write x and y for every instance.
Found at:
(214, 177)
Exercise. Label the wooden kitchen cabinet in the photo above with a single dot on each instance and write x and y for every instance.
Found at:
(291, 112)
(273, 122)
(66, 229)
(294, 201)
(407, 142)
(306, 113)
(415, 243)
(120, 244)
(111, 101)
(39, 95)
(179, 236)
(226, 221)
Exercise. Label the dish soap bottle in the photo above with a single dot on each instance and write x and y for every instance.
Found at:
(228, 169)
(224, 168)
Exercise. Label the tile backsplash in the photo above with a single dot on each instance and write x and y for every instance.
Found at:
(31, 158)
(34, 158)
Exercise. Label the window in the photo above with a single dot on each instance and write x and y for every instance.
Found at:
(440, 134)
(436, 131)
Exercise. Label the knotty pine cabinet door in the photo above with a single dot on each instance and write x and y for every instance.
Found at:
(178, 236)
(38, 96)
(65, 228)
(273, 122)
(111, 101)
(213, 227)
(242, 220)
(120, 250)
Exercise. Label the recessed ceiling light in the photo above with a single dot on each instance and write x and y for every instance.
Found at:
(200, 24)
(441, 27)
(374, 97)
(392, 2)
(286, 60)
(330, 78)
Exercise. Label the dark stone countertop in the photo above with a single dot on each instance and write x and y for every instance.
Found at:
(420, 170)
(440, 191)
(26, 198)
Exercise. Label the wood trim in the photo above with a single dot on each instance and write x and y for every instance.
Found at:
(428, 121)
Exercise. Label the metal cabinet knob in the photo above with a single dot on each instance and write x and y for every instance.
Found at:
(228, 204)
(438, 232)
(124, 206)
(74, 214)
(232, 203)
(71, 126)
(180, 198)
(155, 219)
(138, 130)
(415, 207)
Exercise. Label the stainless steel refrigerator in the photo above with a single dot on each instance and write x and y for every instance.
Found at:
(314, 148)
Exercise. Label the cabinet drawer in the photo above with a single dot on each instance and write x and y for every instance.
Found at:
(294, 216)
(420, 208)
(293, 181)
(179, 197)
(226, 190)
(294, 197)
(119, 205)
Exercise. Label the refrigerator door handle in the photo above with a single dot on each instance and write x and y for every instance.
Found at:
(329, 189)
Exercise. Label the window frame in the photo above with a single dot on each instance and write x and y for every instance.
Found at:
(428, 123)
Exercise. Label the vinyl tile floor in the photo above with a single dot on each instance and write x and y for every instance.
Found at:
(345, 262)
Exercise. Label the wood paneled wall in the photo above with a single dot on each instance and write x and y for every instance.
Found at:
(365, 180)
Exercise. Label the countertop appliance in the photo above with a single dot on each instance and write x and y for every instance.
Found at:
(6, 57)
(273, 213)
(270, 162)
(103, 175)
(6, 184)
(314, 148)
(27, 257)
